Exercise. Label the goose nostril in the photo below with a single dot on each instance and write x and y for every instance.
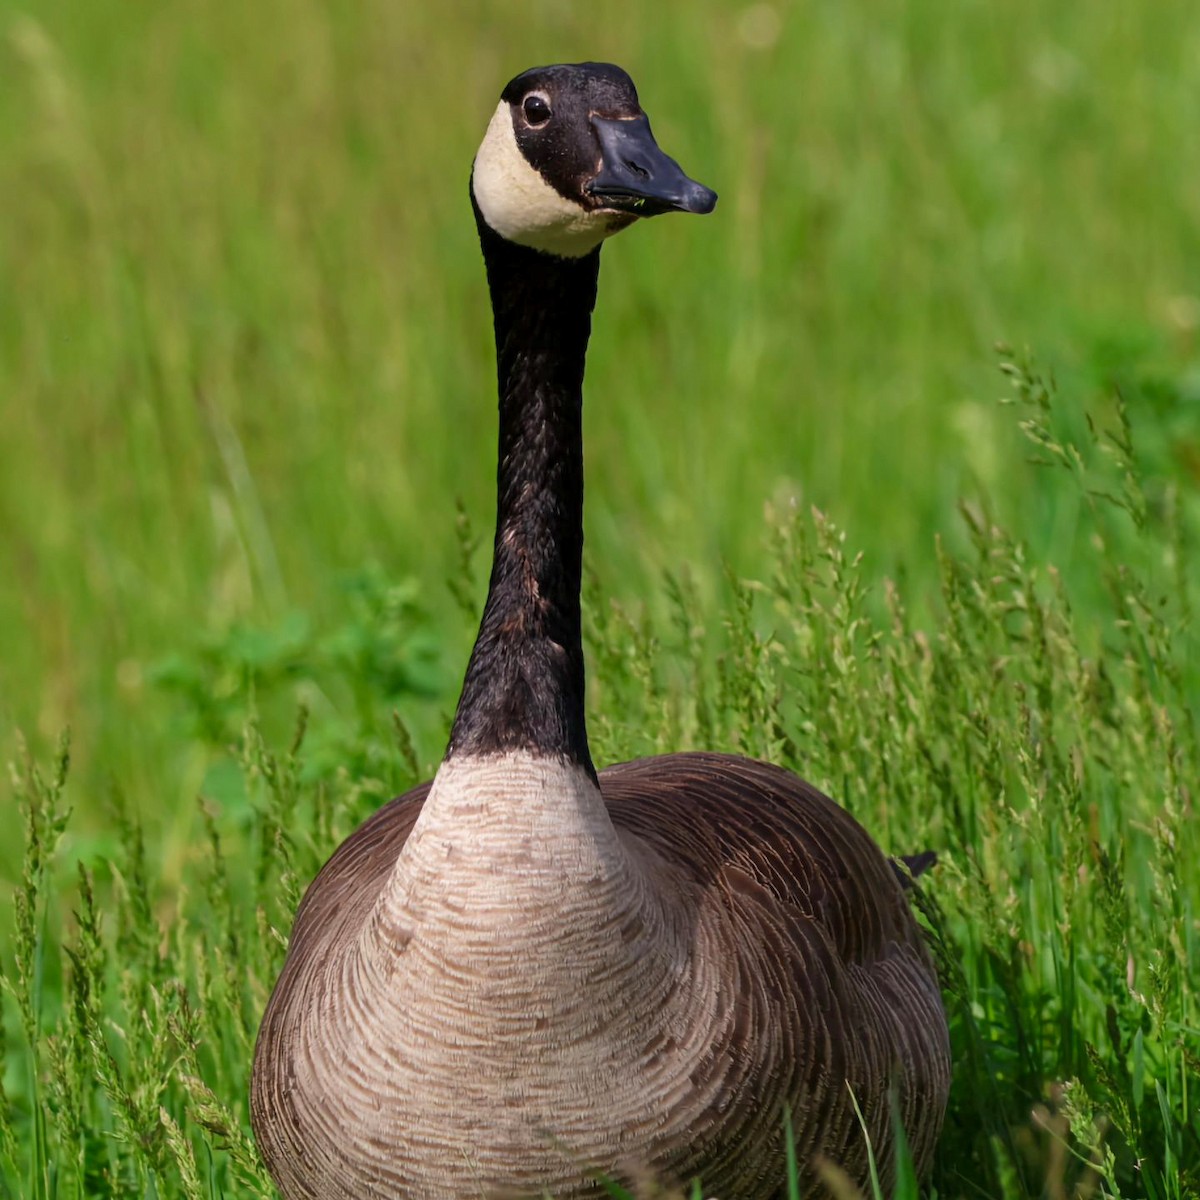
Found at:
(637, 169)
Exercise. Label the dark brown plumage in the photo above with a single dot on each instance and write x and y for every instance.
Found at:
(835, 988)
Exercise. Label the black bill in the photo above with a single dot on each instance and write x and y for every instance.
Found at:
(637, 177)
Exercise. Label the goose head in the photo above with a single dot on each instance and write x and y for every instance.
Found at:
(568, 159)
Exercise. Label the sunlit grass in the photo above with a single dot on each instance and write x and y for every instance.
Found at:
(245, 346)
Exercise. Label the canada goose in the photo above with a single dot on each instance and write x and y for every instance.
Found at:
(523, 974)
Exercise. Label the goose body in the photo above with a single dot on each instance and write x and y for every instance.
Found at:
(525, 974)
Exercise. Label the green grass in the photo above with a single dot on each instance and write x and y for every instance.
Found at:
(245, 375)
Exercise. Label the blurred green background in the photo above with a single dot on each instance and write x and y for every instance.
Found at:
(245, 358)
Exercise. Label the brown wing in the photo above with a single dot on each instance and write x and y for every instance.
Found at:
(852, 997)
(712, 813)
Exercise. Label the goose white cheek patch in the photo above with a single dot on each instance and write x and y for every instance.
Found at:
(522, 207)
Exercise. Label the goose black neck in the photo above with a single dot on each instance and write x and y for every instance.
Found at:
(524, 687)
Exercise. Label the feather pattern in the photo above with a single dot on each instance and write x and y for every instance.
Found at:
(801, 977)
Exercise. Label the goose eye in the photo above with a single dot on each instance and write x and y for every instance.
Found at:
(537, 110)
